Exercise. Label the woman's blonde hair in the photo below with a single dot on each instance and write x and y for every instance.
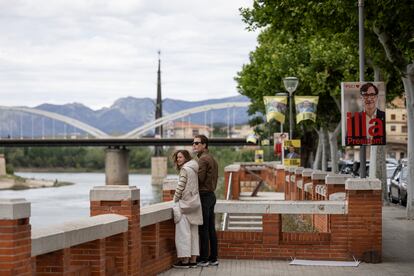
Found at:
(186, 155)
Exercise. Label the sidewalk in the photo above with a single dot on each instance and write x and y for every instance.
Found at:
(398, 256)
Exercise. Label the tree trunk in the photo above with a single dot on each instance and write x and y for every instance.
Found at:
(378, 169)
(408, 82)
(324, 150)
(377, 164)
(333, 143)
(316, 163)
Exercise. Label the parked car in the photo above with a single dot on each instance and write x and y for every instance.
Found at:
(398, 184)
(390, 172)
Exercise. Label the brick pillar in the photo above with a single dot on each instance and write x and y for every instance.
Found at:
(286, 187)
(280, 178)
(364, 219)
(235, 171)
(15, 237)
(306, 178)
(298, 177)
(122, 200)
(272, 228)
(335, 183)
(168, 189)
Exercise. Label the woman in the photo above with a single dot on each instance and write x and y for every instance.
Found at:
(187, 210)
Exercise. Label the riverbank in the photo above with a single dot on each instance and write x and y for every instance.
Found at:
(12, 182)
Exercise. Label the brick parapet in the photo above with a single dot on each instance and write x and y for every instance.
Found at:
(15, 238)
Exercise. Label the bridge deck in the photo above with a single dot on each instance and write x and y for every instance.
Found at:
(398, 256)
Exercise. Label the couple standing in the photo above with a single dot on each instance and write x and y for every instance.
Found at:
(195, 233)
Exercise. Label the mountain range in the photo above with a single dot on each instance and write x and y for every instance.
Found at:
(124, 115)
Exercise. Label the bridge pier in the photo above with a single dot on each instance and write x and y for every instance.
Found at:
(2, 165)
(116, 166)
(158, 169)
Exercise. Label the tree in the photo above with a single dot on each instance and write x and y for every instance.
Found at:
(319, 60)
(387, 24)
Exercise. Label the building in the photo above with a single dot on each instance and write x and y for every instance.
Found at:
(186, 130)
(397, 132)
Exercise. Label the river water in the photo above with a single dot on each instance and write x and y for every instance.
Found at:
(56, 205)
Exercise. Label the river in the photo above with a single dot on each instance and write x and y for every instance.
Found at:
(60, 204)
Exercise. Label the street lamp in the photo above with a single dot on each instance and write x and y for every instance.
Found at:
(290, 83)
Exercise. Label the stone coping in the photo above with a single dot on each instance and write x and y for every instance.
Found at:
(292, 169)
(299, 170)
(280, 167)
(169, 184)
(337, 196)
(337, 178)
(114, 193)
(52, 238)
(307, 172)
(299, 183)
(232, 168)
(319, 175)
(14, 208)
(359, 184)
(292, 178)
(155, 213)
(308, 187)
(282, 207)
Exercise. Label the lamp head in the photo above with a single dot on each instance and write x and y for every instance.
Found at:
(290, 83)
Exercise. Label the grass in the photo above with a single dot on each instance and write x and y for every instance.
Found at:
(297, 223)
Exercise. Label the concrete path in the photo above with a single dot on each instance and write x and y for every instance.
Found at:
(398, 257)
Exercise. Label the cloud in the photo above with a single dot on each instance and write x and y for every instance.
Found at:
(94, 52)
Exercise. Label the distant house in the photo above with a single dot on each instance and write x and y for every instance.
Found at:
(397, 132)
(186, 130)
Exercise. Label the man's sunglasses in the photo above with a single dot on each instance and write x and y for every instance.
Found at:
(196, 143)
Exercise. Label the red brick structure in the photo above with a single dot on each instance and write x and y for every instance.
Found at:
(15, 235)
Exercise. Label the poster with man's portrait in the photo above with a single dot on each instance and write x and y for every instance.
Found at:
(306, 108)
(275, 108)
(278, 139)
(291, 154)
(363, 113)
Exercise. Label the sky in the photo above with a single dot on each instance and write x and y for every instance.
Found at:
(96, 51)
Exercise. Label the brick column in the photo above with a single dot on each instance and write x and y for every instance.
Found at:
(122, 200)
(335, 183)
(364, 219)
(15, 237)
(280, 178)
(168, 189)
(235, 180)
(306, 178)
(286, 187)
(272, 228)
(298, 177)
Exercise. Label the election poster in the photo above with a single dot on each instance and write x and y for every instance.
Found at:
(363, 113)
(291, 149)
(275, 108)
(306, 108)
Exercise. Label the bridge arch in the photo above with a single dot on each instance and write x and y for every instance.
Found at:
(70, 121)
(165, 119)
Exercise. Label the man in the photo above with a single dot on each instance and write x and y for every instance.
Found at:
(207, 182)
(292, 154)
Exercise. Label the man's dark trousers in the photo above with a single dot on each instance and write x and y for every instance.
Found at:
(207, 231)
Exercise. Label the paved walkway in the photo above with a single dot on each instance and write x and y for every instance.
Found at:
(398, 257)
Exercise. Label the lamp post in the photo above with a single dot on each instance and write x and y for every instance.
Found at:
(290, 83)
